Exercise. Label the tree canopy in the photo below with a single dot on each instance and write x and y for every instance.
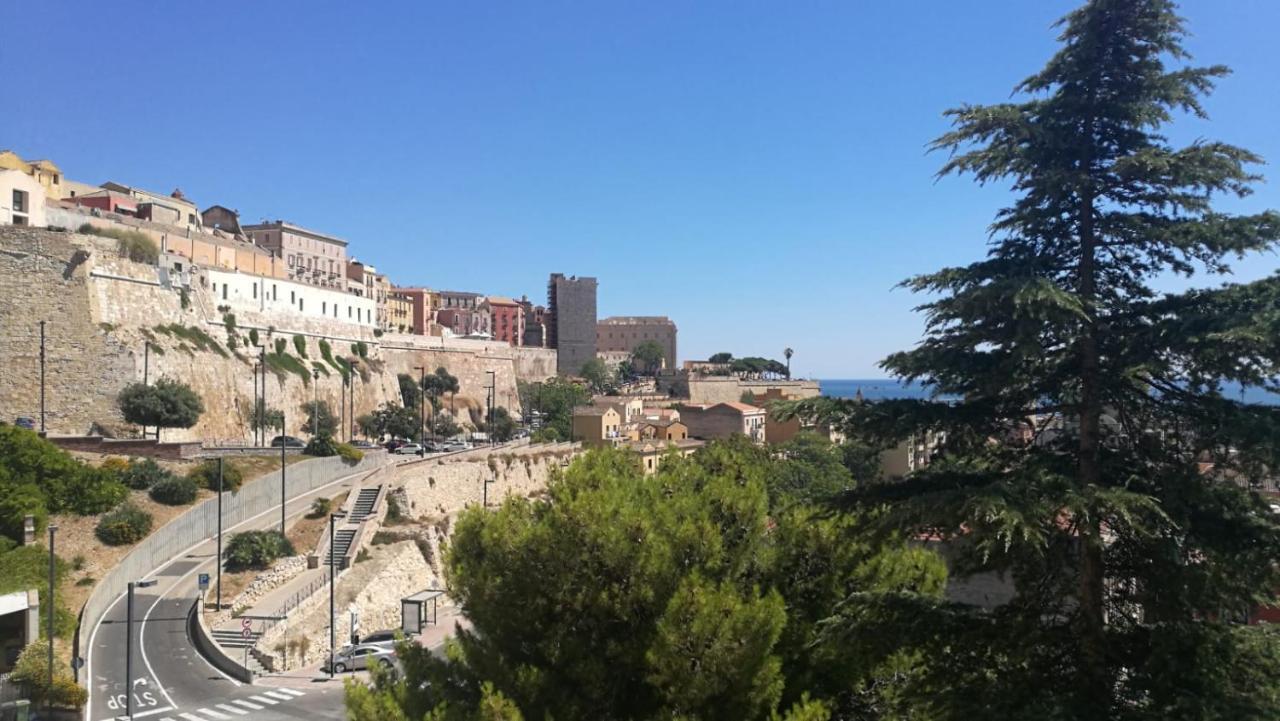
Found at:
(596, 374)
(555, 399)
(648, 357)
(1092, 456)
(390, 419)
(599, 600)
(167, 403)
(320, 420)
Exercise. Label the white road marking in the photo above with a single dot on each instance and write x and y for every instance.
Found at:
(292, 691)
(247, 704)
(141, 714)
(277, 694)
(191, 717)
(232, 709)
(216, 714)
(264, 699)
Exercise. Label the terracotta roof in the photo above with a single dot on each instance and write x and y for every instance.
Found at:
(742, 407)
(591, 411)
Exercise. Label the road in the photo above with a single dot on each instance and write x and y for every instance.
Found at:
(171, 680)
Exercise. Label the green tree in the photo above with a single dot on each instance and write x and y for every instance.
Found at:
(264, 416)
(320, 419)
(628, 596)
(504, 426)
(648, 356)
(721, 358)
(167, 403)
(391, 420)
(437, 384)
(1117, 498)
(555, 400)
(596, 374)
(409, 391)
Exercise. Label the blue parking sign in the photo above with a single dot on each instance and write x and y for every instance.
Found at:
(204, 581)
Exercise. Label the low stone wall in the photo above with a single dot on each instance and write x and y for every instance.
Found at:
(372, 587)
(717, 389)
(202, 639)
(129, 447)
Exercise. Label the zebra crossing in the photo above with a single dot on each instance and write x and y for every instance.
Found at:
(237, 709)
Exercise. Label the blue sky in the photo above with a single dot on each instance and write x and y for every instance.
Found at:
(755, 170)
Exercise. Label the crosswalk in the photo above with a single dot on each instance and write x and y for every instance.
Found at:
(237, 709)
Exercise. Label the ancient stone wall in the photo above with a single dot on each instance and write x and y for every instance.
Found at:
(102, 310)
(729, 389)
(440, 487)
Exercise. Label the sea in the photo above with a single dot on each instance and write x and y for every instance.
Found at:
(881, 388)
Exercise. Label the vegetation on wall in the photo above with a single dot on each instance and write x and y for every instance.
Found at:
(132, 244)
(300, 345)
(196, 336)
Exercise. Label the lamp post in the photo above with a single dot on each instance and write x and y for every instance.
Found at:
(422, 405)
(493, 397)
(262, 409)
(257, 419)
(218, 560)
(283, 446)
(342, 406)
(487, 481)
(333, 517)
(42, 429)
(315, 403)
(49, 603)
(128, 645)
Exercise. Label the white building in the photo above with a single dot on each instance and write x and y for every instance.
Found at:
(284, 298)
(21, 199)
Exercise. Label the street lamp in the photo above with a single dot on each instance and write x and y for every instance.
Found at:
(283, 445)
(315, 404)
(486, 482)
(49, 603)
(333, 517)
(218, 560)
(422, 407)
(42, 429)
(493, 398)
(128, 646)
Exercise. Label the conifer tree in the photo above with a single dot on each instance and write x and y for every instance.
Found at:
(1092, 457)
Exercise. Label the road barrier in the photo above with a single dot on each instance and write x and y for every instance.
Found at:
(201, 523)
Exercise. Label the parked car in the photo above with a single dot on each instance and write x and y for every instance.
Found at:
(456, 445)
(363, 444)
(24, 422)
(408, 449)
(385, 638)
(393, 444)
(287, 442)
(361, 656)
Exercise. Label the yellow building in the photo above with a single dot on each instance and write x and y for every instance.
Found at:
(653, 452)
(48, 175)
(597, 426)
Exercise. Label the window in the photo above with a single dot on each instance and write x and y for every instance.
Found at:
(300, 303)
(324, 308)
(274, 294)
(19, 201)
(255, 290)
(348, 311)
(292, 297)
(224, 291)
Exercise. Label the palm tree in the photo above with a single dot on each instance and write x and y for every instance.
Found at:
(787, 353)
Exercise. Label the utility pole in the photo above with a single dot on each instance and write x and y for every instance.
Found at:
(218, 560)
(49, 603)
(257, 420)
(283, 445)
(493, 397)
(315, 403)
(342, 407)
(42, 428)
(422, 406)
(262, 419)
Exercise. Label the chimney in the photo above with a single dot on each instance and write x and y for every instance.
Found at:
(28, 530)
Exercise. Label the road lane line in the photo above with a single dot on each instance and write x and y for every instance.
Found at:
(277, 694)
(247, 704)
(88, 707)
(141, 714)
(292, 691)
(216, 714)
(232, 709)
(264, 699)
(191, 717)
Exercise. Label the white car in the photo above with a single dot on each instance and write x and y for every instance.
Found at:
(354, 658)
(409, 449)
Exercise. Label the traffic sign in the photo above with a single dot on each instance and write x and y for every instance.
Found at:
(246, 632)
(246, 623)
(77, 663)
(204, 582)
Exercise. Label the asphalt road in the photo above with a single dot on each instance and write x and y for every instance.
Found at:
(171, 680)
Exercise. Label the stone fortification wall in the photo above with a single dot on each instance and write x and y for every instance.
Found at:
(730, 390)
(437, 488)
(102, 310)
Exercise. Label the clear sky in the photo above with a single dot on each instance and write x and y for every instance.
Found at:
(755, 170)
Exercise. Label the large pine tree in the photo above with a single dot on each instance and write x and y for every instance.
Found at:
(1093, 457)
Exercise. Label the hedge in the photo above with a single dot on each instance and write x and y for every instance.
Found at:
(206, 474)
(175, 491)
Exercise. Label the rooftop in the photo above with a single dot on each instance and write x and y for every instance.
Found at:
(294, 227)
(637, 320)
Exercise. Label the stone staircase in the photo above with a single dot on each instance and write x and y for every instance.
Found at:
(341, 544)
(364, 505)
(232, 638)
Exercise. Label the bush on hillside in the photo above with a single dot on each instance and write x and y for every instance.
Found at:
(206, 474)
(320, 508)
(32, 672)
(350, 454)
(132, 244)
(175, 491)
(66, 484)
(321, 446)
(127, 524)
(143, 473)
(96, 491)
(256, 549)
(16, 503)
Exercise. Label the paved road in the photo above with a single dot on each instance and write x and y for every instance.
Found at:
(171, 680)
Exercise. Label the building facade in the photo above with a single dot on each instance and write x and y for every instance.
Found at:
(172, 209)
(246, 292)
(571, 321)
(624, 333)
(47, 175)
(724, 420)
(308, 256)
(21, 199)
(506, 320)
(597, 426)
(398, 315)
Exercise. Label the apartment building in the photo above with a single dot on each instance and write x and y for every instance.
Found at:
(724, 420)
(309, 256)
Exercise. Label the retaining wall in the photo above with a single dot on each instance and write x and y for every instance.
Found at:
(201, 523)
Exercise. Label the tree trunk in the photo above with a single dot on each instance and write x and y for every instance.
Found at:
(1095, 686)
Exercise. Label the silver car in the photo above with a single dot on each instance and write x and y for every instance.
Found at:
(362, 656)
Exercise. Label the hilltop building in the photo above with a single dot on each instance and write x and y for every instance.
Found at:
(624, 333)
(571, 321)
(506, 319)
(309, 256)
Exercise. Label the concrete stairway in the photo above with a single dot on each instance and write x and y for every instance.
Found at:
(341, 544)
(232, 638)
(364, 505)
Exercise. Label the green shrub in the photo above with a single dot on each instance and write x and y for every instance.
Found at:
(86, 581)
(350, 453)
(321, 446)
(300, 345)
(132, 244)
(206, 474)
(256, 549)
(253, 336)
(127, 524)
(16, 503)
(66, 693)
(175, 491)
(282, 363)
(360, 349)
(281, 344)
(320, 508)
(143, 473)
(32, 672)
(97, 491)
